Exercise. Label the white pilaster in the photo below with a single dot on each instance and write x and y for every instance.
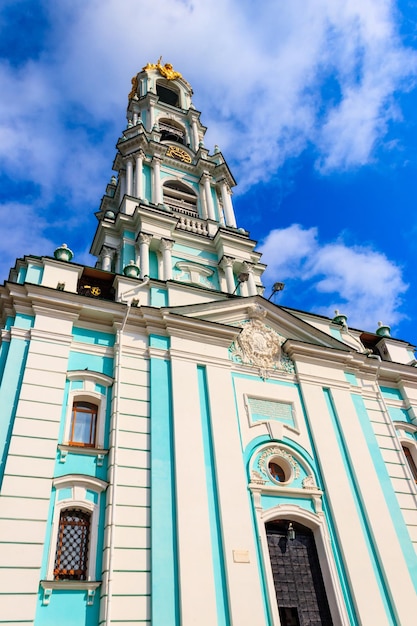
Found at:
(166, 247)
(195, 134)
(227, 204)
(192, 502)
(157, 191)
(227, 265)
(339, 490)
(208, 196)
(144, 241)
(129, 177)
(139, 175)
(243, 579)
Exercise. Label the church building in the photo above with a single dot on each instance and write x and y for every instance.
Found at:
(175, 448)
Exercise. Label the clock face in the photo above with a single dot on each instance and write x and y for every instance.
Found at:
(178, 153)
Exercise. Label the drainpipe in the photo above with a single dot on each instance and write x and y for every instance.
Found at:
(128, 298)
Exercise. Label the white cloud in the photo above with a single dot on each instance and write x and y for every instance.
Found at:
(358, 280)
(258, 73)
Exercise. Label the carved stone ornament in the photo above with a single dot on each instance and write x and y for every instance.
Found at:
(273, 452)
(309, 483)
(260, 346)
(257, 478)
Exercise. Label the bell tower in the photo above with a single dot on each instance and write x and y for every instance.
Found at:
(168, 214)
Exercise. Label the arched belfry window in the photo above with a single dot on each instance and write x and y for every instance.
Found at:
(298, 581)
(171, 131)
(71, 556)
(180, 197)
(167, 95)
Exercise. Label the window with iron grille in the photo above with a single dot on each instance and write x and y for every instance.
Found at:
(72, 545)
(83, 424)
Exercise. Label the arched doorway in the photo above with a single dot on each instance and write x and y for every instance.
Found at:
(298, 581)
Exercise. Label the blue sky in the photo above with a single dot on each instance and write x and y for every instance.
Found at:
(312, 102)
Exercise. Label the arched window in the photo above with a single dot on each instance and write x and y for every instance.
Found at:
(180, 197)
(167, 95)
(410, 460)
(83, 424)
(71, 556)
(298, 581)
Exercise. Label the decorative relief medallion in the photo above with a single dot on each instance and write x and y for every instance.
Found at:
(178, 153)
(275, 451)
(260, 346)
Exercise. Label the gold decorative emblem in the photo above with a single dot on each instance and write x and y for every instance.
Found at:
(167, 71)
(178, 153)
(260, 346)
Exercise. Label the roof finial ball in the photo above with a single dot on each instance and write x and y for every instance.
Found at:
(63, 253)
(383, 330)
(339, 318)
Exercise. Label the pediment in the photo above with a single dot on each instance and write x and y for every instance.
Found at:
(261, 313)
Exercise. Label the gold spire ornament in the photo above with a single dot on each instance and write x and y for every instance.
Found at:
(167, 71)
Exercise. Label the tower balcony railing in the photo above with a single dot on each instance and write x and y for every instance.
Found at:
(193, 225)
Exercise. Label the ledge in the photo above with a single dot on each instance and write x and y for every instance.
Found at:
(70, 584)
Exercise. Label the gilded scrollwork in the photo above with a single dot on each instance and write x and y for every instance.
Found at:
(166, 70)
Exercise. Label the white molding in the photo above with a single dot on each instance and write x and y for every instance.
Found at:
(97, 377)
(77, 501)
(89, 482)
(70, 584)
(87, 395)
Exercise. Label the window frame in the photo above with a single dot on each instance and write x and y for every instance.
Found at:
(78, 500)
(87, 393)
(61, 546)
(93, 424)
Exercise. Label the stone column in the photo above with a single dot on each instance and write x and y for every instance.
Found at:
(251, 285)
(157, 190)
(166, 247)
(227, 266)
(107, 256)
(195, 134)
(208, 196)
(129, 177)
(139, 175)
(227, 204)
(144, 241)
